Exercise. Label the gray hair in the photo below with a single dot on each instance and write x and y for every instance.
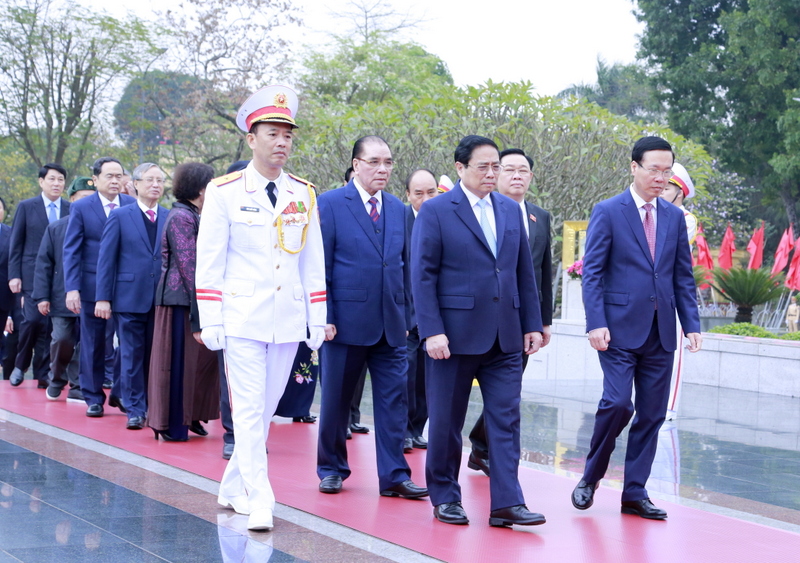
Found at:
(139, 171)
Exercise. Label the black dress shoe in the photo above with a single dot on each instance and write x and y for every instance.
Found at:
(451, 513)
(94, 411)
(331, 484)
(519, 515)
(406, 489)
(307, 419)
(135, 423)
(643, 508)
(114, 401)
(349, 434)
(408, 446)
(227, 451)
(583, 494)
(107, 384)
(419, 442)
(478, 463)
(17, 375)
(197, 428)
(42, 385)
(358, 428)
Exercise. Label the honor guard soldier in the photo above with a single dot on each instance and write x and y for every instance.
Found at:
(260, 286)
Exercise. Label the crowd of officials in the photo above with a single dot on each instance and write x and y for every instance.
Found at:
(176, 321)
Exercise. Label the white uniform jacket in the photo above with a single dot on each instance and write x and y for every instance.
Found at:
(260, 271)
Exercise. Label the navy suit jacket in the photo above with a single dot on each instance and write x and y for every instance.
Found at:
(460, 289)
(7, 300)
(622, 285)
(82, 244)
(539, 241)
(48, 284)
(366, 283)
(129, 267)
(30, 222)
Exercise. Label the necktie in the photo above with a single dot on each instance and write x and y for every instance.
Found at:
(487, 228)
(111, 206)
(650, 229)
(152, 215)
(271, 193)
(373, 213)
(52, 216)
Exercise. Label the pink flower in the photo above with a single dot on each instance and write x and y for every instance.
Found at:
(299, 378)
(576, 270)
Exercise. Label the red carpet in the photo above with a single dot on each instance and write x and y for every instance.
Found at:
(597, 535)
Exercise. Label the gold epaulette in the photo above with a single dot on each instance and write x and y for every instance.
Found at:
(227, 178)
(302, 180)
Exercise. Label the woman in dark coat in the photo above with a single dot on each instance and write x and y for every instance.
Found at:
(184, 377)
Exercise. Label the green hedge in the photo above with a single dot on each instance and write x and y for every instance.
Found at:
(743, 329)
(791, 336)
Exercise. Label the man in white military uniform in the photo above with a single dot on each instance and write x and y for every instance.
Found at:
(260, 282)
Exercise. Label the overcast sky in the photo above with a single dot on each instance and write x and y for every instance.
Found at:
(552, 43)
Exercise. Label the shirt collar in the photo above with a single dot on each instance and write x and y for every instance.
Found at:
(639, 201)
(473, 199)
(106, 201)
(47, 202)
(365, 194)
(145, 209)
(262, 181)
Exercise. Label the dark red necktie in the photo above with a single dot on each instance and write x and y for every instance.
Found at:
(650, 229)
(373, 213)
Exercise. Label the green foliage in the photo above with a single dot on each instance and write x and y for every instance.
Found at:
(699, 275)
(747, 288)
(743, 329)
(17, 176)
(791, 336)
(581, 152)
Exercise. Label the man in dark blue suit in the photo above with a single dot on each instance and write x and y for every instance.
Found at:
(81, 251)
(128, 270)
(7, 298)
(363, 232)
(637, 271)
(478, 309)
(30, 221)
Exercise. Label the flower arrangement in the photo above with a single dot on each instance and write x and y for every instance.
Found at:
(576, 270)
(303, 375)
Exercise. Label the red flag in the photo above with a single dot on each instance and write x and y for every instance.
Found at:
(782, 253)
(793, 277)
(704, 254)
(726, 249)
(756, 248)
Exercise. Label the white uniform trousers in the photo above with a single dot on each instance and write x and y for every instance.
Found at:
(257, 373)
(677, 377)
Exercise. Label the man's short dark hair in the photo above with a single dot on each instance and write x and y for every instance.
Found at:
(190, 179)
(358, 147)
(348, 174)
(646, 144)
(468, 144)
(410, 176)
(52, 166)
(97, 167)
(516, 151)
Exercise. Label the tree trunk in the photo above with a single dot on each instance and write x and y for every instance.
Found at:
(743, 314)
(790, 203)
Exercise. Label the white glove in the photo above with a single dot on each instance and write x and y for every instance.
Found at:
(317, 337)
(213, 337)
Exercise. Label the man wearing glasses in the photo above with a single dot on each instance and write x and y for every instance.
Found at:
(478, 309)
(513, 181)
(637, 270)
(366, 274)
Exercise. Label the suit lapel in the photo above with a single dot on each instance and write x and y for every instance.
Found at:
(356, 207)
(97, 207)
(631, 213)
(41, 212)
(661, 228)
(465, 213)
(161, 219)
(500, 215)
(392, 223)
(136, 216)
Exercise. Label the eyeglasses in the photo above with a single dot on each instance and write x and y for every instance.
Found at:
(666, 174)
(522, 171)
(374, 163)
(484, 168)
(151, 180)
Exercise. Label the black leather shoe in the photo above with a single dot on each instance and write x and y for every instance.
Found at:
(478, 463)
(356, 428)
(419, 442)
(135, 423)
(114, 401)
(349, 434)
(643, 508)
(310, 419)
(408, 446)
(197, 428)
(42, 385)
(519, 515)
(107, 384)
(331, 484)
(227, 451)
(451, 513)
(583, 494)
(17, 375)
(406, 489)
(94, 411)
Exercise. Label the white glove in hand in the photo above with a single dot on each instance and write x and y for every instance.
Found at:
(317, 336)
(213, 337)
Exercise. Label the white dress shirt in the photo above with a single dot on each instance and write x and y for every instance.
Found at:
(105, 203)
(473, 202)
(640, 203)
(145, 209)
(365, 197)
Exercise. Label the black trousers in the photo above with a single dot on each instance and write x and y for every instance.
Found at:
(34, 341)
